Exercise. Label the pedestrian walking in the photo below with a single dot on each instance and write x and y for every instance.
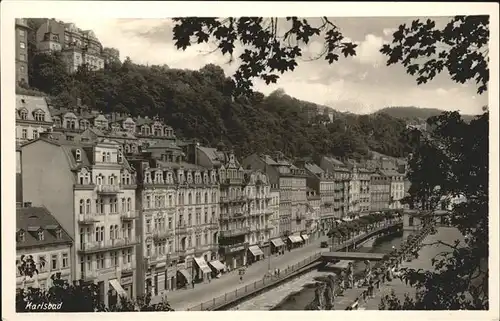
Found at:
(279, 271)
(241, 278)
(192, 283)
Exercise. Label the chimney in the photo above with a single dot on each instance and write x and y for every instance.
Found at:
(27, 204)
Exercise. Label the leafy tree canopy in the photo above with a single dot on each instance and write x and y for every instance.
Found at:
(198, 104)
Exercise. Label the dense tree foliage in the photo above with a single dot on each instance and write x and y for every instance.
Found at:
(271, 45)
(450, 161)
(199, 104)
(75, 297)
(461, 48)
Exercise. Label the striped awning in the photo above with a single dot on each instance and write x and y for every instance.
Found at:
(295, 239)
(255, 250)
(118, 287)
(185, 274)
(216, 264)
(277, 242)
(202, 264)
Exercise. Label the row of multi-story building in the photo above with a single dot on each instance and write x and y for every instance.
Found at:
(76, 46)
(128, 205)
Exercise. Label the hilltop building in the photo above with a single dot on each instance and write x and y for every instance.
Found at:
(22, 29)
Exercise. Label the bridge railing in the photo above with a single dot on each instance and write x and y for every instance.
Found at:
(243, 291)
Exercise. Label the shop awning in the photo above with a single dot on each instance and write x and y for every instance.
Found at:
(295, 238)
(277, 242)
(118, 287)
(185, 274)
(202, 264)
(216, 264)
(256, 251)
(305, 237)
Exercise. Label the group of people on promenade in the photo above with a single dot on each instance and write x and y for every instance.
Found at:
(389, 268)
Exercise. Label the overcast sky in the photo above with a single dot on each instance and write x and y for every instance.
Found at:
(361, 84)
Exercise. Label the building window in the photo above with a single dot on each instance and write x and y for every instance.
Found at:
(40, 235)
(22, 33)
(40, 116)
(169, 223)
(65, 260)
(129, 204)
(42, 263)
(87, 206)
(35, 134)
(54, 262)
(24, 133)
(58, 234)
(78, 155)
(148, 250)
(22, 57)
(21, 236)
(114, 258)
(100, 261)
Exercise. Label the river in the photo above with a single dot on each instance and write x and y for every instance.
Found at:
(298, 292)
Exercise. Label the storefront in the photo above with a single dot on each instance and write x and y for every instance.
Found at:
(254, 254)
(183, 278)
(116, 291)
(277, 246)
(201, 270)
(295, 241)
(235, 256)
(217, 267)
(305, 237)
(127, 283)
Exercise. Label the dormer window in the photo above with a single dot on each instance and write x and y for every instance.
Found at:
(24, 113)
(39, 116)
(78, 155)
(21, 236)
(120, 157)
(147, 177)
(40, 235)
(58, 234)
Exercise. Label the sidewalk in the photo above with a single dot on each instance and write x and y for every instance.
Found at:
(183, 299)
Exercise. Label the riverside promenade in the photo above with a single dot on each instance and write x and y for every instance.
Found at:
(184, 299)
(223, 289)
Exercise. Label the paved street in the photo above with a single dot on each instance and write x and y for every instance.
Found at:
(183, 299)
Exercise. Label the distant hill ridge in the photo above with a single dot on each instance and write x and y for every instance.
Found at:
(411, 113)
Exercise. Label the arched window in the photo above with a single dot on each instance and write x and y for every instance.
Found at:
(82, 208)
(206, 197)
(78, 155)
(190, 199)
(129, 204)
(24, 114)
(39, 116)
(87, 206)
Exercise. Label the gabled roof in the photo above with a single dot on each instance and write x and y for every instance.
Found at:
(31, 104)
(313, 168)
(31, 220)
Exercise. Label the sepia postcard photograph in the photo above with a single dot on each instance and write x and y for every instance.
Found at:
(250, 156)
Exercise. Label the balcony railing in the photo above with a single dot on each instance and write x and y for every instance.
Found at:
(106, 245)
(89, 275)
(108, 189)
(129, 215)
(235, 232)
(161, 234)
(87, 219)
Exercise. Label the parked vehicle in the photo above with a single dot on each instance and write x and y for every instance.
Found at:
(324, 244)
